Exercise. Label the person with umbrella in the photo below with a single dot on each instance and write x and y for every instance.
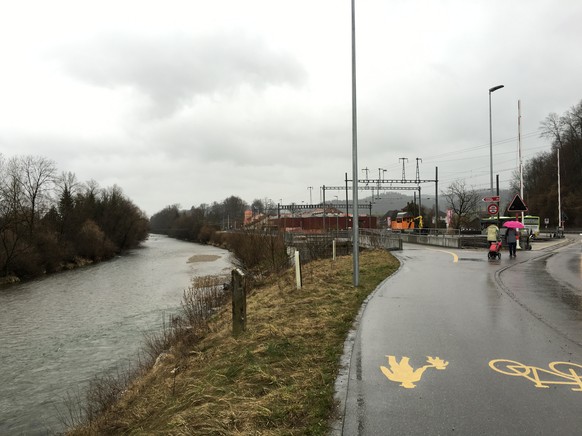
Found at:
(511, 235)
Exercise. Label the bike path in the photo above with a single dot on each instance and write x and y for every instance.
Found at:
(442, 348)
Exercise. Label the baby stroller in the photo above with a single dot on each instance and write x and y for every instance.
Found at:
(494, 250)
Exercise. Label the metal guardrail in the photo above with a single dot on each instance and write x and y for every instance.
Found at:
(368, 238)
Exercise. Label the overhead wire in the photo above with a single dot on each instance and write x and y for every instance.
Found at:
(479, 172)
(439, 156)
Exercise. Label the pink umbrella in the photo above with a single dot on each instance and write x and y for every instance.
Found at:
(513, 225)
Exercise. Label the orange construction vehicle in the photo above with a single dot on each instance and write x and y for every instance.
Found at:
(406, 221)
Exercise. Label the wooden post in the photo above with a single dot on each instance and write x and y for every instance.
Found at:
(298, 276)
(239, 302)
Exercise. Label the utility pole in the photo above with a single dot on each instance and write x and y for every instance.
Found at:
(519, 154)
(379, 180)
(403, 159)
(436, 197)
(418, 169)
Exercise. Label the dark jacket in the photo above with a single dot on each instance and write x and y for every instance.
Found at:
(511, 236)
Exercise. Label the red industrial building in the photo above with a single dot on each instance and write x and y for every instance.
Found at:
(319, 223)
(313, 220)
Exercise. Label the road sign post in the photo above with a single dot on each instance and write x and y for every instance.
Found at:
(492, 208)
(517, 205)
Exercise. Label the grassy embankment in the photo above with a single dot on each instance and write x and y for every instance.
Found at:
(275, 379)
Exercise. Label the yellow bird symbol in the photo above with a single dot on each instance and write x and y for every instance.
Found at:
(401, 372)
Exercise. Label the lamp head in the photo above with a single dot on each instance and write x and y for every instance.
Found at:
(495, 88)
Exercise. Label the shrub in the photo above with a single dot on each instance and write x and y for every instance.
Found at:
(261, 254)
(206, 234)
(50, 251)
(92, 243)
(27, 262)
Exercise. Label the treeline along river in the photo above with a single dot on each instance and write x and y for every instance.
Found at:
(58, 332)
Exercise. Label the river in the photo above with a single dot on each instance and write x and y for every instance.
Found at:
(58, 332)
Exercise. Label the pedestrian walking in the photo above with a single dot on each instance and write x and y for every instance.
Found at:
(511, 237)
(492, 234)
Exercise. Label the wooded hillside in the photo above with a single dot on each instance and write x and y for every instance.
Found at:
(541, 172)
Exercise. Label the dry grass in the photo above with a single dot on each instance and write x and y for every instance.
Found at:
(275, 379)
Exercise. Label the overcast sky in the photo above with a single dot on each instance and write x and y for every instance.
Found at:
(192, 101)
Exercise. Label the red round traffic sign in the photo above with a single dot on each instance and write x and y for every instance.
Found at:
(492, 208)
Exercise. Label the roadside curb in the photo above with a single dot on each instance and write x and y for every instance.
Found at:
(552, 245)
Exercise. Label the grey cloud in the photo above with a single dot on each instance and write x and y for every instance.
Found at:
(172, 70)
(293, 137)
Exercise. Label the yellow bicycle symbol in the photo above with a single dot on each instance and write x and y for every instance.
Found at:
(559, 373)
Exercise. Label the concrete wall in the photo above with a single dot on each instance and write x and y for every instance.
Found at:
(380, 241)
(439, 241)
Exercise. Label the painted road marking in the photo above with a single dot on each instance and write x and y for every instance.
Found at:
(455, 257)
(401, 372)
(559, 373)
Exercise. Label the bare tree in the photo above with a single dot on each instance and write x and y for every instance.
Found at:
(67, 182)
(463, 201)
(257, 206)
(552, 128)
(11, 214)
(37, 177)
(11, 189)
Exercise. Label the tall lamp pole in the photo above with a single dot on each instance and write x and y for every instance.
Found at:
(355, 223)
(495, 88)
(559, 197)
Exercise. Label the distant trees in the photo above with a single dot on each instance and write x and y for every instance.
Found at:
(164, 221)
(199, 223)
(541, 172)
(48, 220)
(180, 224)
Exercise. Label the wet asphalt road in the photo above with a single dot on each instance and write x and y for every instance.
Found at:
(456, 344)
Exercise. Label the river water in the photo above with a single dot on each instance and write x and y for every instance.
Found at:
(58, 332)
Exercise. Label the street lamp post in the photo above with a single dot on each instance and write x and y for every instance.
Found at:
(495, 88)
(559, 197)
(355, 223)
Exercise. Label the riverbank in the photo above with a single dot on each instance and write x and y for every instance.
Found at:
(78, 262)
(61, 331)
(276, 378)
